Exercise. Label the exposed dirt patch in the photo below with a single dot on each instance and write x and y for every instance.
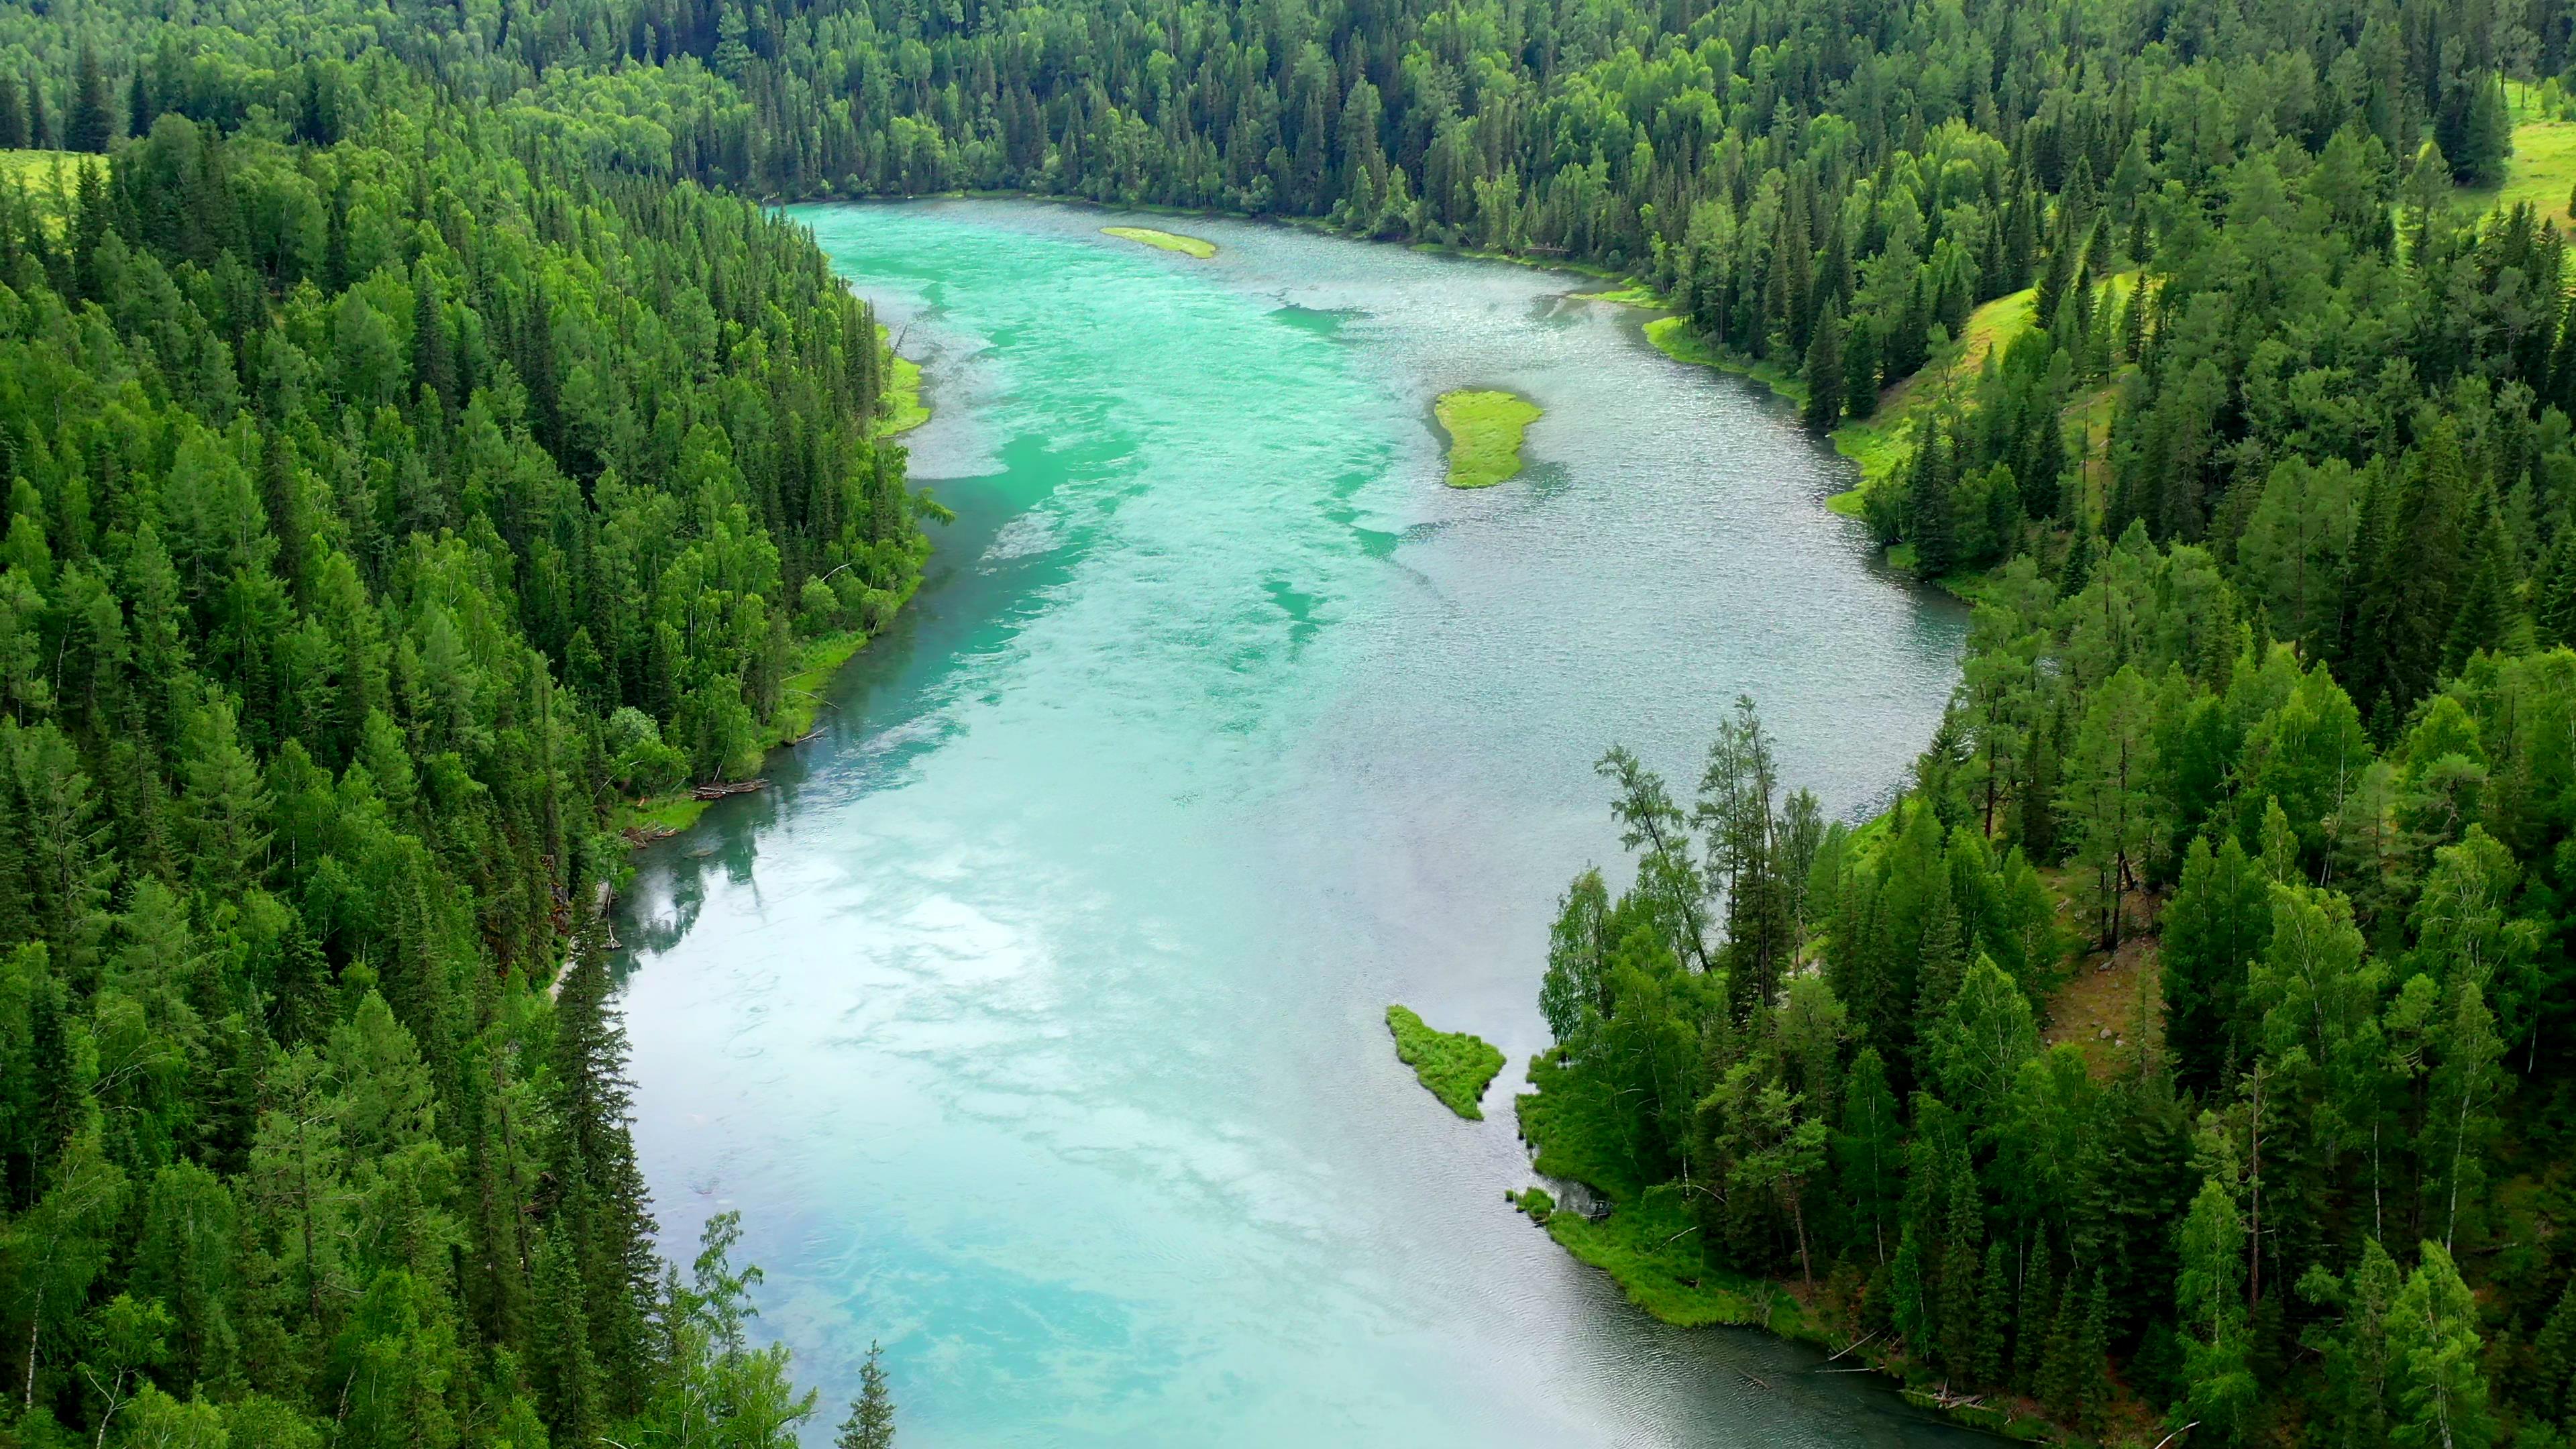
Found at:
(2109, 998)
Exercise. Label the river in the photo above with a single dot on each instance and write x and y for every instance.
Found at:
(1033, 1020)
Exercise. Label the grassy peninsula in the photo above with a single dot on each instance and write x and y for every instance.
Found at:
(1169, 241)
(1454, 1066)
(1484, 430)
(903, 409)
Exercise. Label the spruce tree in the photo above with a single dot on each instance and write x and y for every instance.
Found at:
(93, 117)
(1994, 1318)
(1860, 367)
(2093, 1353)
(871, 1421)
(1824, 372)
(2486, 138)
(2032, 1322)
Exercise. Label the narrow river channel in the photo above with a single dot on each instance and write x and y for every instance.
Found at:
(1033, 1021)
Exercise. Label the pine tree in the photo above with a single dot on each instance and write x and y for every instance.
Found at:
(93, 118)
(605, 1195)
(13, 116)
(2487, 139)
(2219, 920)
(1962, 1253)
(2063, 1380)
(2093, 1353)
(871, 1421)
(1994, 1317)
(1860, 368)
(2031, 1324)
(567, 1376)
(1824, 373)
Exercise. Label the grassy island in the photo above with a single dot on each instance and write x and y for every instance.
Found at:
(1484, 434)
(1170, 241)
(1455, 1066)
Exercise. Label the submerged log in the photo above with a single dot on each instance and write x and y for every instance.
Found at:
(719, 789)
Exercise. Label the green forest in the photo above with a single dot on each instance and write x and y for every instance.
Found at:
(393, 492)
(420, 445)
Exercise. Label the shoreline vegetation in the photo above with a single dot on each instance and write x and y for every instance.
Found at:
(655, 818)
(1880, 445)
(1454, 1066)
(1485, 428)
(1168, 241)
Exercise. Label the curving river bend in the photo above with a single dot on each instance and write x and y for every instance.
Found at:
(1033, 1019)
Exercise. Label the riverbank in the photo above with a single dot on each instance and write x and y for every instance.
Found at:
(1878, 445)
(657, 817)
(1646, 1238)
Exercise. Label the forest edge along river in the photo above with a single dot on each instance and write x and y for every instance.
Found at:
(1034, 1018)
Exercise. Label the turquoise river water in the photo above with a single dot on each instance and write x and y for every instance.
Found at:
(1034, 1018)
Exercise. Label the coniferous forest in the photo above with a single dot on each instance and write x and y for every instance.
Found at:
(418, 441)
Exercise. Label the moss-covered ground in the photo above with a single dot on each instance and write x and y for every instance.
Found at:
(1454, 1065)
(1170, 241)
(1485, 430)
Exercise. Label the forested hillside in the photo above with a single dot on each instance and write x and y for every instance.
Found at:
(391, 492)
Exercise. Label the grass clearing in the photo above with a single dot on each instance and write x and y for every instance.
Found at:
(1881, 442)
(657, 815)
(1485, 430)
(50, 177)
(2542, 168)
(1170, 241)
(1455, 1066)
(1635, 294)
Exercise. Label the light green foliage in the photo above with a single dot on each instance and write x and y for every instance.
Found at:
(1454, 1066)
(1167, 241)
(2440, 1388)
(1484, 435)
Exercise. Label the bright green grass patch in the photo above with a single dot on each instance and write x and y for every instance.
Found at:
(904, 408)
(1454, 1065)
(1649, 1246)
(1635, 294)
(1170, 241)
(2541, 171)
(1533, 1201)
(1847, 504)
(1674, 338)
(49, 178)
(803, 701)
(36, 169)
(661, 814)
(1484, 434)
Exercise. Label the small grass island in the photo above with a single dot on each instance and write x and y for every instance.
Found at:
(1170, 241)
(1454, 1066)
(1484, 430)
